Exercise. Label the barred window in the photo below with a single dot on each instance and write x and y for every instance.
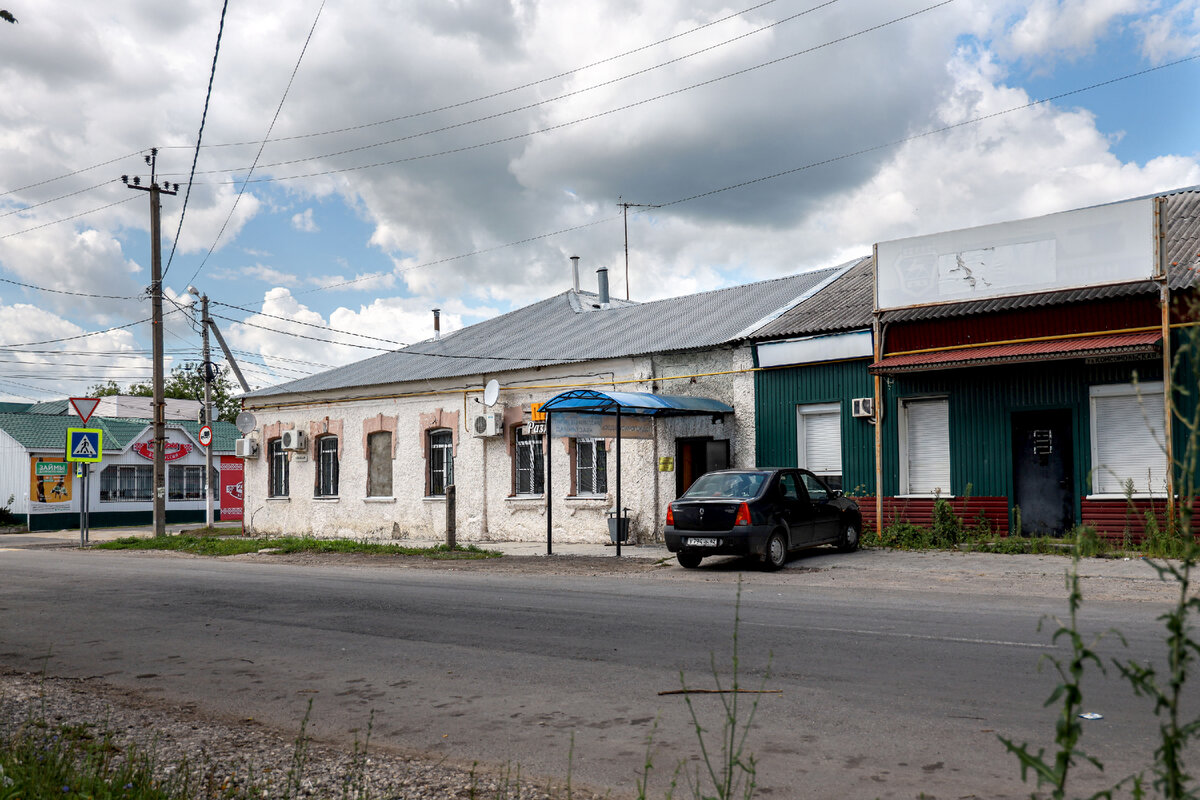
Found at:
(530, 467)
(591, 467)
(277, 469)
(441, 461)
(186, 481)
(127, 483)
(327, 467)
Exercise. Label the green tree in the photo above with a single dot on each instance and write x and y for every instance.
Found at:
(186, 382)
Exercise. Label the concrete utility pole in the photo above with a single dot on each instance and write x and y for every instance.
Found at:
(160, 433)
(625, 213)
(206, 366)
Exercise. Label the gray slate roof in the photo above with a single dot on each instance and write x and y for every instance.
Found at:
(1183, 263)
(567, 328)
(844, 305)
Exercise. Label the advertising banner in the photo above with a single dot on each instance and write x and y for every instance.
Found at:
(232, 470)
(50, 480)
(600, 426)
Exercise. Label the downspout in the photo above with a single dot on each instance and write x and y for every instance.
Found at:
(1164, 294)
(878, 404)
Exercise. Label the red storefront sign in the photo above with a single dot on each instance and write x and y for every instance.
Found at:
(171, 450)
(232, 470)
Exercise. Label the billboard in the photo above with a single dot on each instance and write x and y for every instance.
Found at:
(1106, 244)
(50, 479)
(231, 499)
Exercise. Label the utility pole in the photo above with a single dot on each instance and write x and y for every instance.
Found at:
(160, 433)
(207, 368)
(625, 213)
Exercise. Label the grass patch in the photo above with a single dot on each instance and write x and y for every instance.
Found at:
(208, 545)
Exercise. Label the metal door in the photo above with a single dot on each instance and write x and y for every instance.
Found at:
(1043, 464)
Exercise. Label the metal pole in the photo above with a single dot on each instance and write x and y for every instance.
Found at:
(82, 504)
(160, 431)
(549, 494)
(620, 518)
(451, 518)
(208, 415)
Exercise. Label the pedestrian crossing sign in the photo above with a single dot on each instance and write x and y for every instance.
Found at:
(84, 444)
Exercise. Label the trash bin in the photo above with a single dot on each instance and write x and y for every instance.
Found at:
(612, 527)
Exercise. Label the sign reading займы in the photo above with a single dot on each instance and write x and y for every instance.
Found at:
(601, 426)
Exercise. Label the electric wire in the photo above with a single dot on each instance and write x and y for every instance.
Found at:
(588, 118)
(75, 294)
(539, 103)
(67, 219)
(70, 174)
(199, 137)
(310, 324)
(271, 127)
(83, 335)
(54, 199)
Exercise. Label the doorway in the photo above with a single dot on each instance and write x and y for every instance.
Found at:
(694, 457)
(1043, 465)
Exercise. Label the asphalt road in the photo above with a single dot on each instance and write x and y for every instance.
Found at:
(884, 693)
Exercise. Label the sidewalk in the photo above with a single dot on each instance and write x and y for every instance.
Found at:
(70, 538)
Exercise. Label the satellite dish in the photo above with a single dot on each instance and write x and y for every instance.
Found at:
(491, 393)
(245, 422)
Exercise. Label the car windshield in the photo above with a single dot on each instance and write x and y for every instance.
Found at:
(727, 484)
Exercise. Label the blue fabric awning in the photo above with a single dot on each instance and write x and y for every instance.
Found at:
(640, 403)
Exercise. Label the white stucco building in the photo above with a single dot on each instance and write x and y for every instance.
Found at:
(380, 439)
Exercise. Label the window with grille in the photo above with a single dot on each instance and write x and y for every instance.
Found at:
(1128, 439)
(186, 481)
(127, 483)
(327, 467)
(530, 466)
(591, 467)
(441, 461)
(277, 469)
(379, 464)
(925, 465)
(819, 441)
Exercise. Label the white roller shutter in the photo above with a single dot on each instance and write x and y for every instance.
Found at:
(927, 442)
(822, 436)
(1128, 436)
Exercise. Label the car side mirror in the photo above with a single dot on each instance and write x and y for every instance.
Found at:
(835, 492)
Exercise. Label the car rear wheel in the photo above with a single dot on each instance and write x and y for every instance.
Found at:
(849, 540)
(688, 560)
(776, 554)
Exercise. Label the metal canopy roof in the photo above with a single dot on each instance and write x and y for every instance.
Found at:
(634, 403)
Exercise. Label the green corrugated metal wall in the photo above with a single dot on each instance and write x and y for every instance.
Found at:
(779, 391)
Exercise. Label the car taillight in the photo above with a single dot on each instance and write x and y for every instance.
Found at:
(743, 515)
(670, 516)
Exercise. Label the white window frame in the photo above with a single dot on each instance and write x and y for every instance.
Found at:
(536, 445)
(905, 490)
(597, 445)
(1146, 390)
(815, 409)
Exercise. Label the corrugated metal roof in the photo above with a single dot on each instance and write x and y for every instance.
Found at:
(1123, 343)
(566, 328)
(845, 304)
(1182, 209)
(49, 431)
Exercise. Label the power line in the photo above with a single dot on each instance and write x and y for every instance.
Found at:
(83, 335)
(590, 117)
(310, 324)
(546, 101)
(70, 174)
(53, 199)
(270, 128)
(199, 137)
(75, 294)
(65, 219)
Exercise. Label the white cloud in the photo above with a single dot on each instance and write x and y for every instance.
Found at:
(1067, 27)
(304, 221)
(1172, 33)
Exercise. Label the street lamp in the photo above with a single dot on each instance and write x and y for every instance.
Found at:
(208, 417)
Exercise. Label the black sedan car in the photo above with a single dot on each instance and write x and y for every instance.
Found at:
(762, 512)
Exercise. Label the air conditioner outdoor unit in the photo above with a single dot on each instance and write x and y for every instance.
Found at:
(293, 440)
(488, 425)
(862, 407)
(245, 448)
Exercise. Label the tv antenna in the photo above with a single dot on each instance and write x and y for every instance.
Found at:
(625, 213)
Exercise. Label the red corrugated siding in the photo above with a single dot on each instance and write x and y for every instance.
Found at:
(919, 511)
(1081, 345)
(1112, 518)
(1105, 315)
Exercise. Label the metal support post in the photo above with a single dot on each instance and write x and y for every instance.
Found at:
(620, 519)
(549, 494)
(208, 415)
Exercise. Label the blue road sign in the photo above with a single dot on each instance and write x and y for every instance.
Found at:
(85, 444)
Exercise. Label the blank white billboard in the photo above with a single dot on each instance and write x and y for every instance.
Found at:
(1091, 246)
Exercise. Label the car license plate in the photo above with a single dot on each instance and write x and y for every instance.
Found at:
(702, 542)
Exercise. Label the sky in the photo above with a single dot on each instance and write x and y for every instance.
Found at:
(363, 162)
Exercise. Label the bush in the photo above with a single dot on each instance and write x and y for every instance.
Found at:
(947, 527)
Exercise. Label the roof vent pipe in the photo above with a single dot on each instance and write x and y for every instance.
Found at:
(575, 273)
(437, 324)
(602, 285)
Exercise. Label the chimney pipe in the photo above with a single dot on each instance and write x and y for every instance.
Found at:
(437, 324)
(602, 285)
(575, 273)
